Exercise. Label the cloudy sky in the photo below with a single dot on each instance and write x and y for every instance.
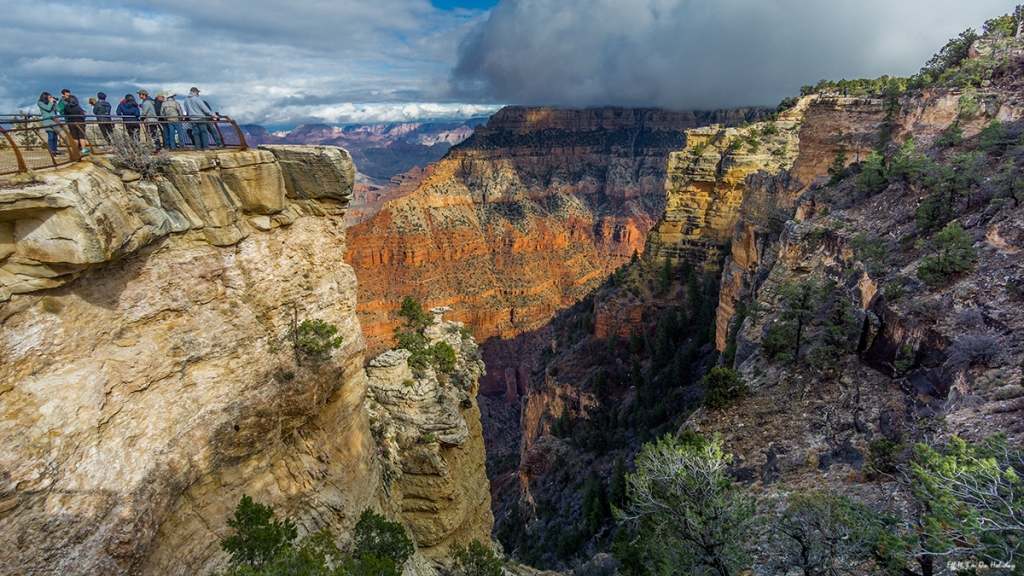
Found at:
(280, 62)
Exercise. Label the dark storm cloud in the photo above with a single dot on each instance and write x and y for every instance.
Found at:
(699, 53)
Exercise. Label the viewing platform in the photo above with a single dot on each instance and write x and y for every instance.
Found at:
(23, 139)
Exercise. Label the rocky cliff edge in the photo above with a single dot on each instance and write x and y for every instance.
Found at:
(147, 382)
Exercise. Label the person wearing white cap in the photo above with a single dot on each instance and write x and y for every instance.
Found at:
(172, 114)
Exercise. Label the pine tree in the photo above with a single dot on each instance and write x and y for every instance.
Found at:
(838, 169)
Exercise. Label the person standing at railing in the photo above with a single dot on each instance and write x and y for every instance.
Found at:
(158, 104)
(128, 110)
(199, 113)
(171, 111)
(101, 110)
(63, 102)
(48, 110)
(212, 127)
(149, 116)
(74, 115)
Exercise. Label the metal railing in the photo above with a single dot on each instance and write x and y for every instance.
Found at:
(24, 141)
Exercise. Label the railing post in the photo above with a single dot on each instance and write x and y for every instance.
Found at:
(74, 154)
(242, 144)
(22, 167)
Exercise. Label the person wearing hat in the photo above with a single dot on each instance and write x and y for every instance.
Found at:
(171, 112)
(101, 110)
(149, 116)
(199, 113)
(158, 104)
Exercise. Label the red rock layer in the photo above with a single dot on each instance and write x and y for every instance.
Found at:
(525, 217)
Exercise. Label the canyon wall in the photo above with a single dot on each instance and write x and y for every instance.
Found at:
(520, 220)
(148, 382)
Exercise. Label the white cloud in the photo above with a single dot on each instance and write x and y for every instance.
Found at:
(264, 60)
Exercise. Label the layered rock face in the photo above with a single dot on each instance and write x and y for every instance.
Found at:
(521, 219)
(428, 425)
(910, 365)
(706, 182)
(147, 381)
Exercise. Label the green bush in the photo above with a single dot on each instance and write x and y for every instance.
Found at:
(777, 345)
(476, 560)
(370, 565)
(443, 357)
(257, 539)
(837, 171)
(994, 138)
(315, 339)
(954, 254)
(375, 536)
(722, 386)
(874, 176)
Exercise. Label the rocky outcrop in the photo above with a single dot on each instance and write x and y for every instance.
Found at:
(911, 364)
(706, 183)
(89, 215)
(148, 382)
(522, 219)
(428, 427)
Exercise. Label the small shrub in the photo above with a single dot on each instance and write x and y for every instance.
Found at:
(52, 306)
(777, 345)
(970, 350)
(955, 254)
(838, 169)
(476, 560)
(315, 339)
(722, 386)
(428, 438)
(953, 136)
(443, 357)
(882, 457)
(137, 155)
(896, 289)
(993, 138)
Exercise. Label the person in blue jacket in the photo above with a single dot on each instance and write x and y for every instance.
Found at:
(129, 112)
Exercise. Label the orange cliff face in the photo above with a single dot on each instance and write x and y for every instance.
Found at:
(524, 218)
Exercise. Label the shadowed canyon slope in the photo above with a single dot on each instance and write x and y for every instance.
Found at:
(522, 219)
(148, 381)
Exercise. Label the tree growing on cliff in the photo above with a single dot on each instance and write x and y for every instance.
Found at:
(873, 177)
(821, 534)
(314, 339)
(800, 303)
(722, 386)
(409, 336)
(837, 171)
(691, 517)
(953, 254)
(257, 539)
(475, 560)
(381, 546)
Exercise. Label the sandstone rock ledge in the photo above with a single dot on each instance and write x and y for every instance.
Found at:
(428, 428)
(145, 385)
